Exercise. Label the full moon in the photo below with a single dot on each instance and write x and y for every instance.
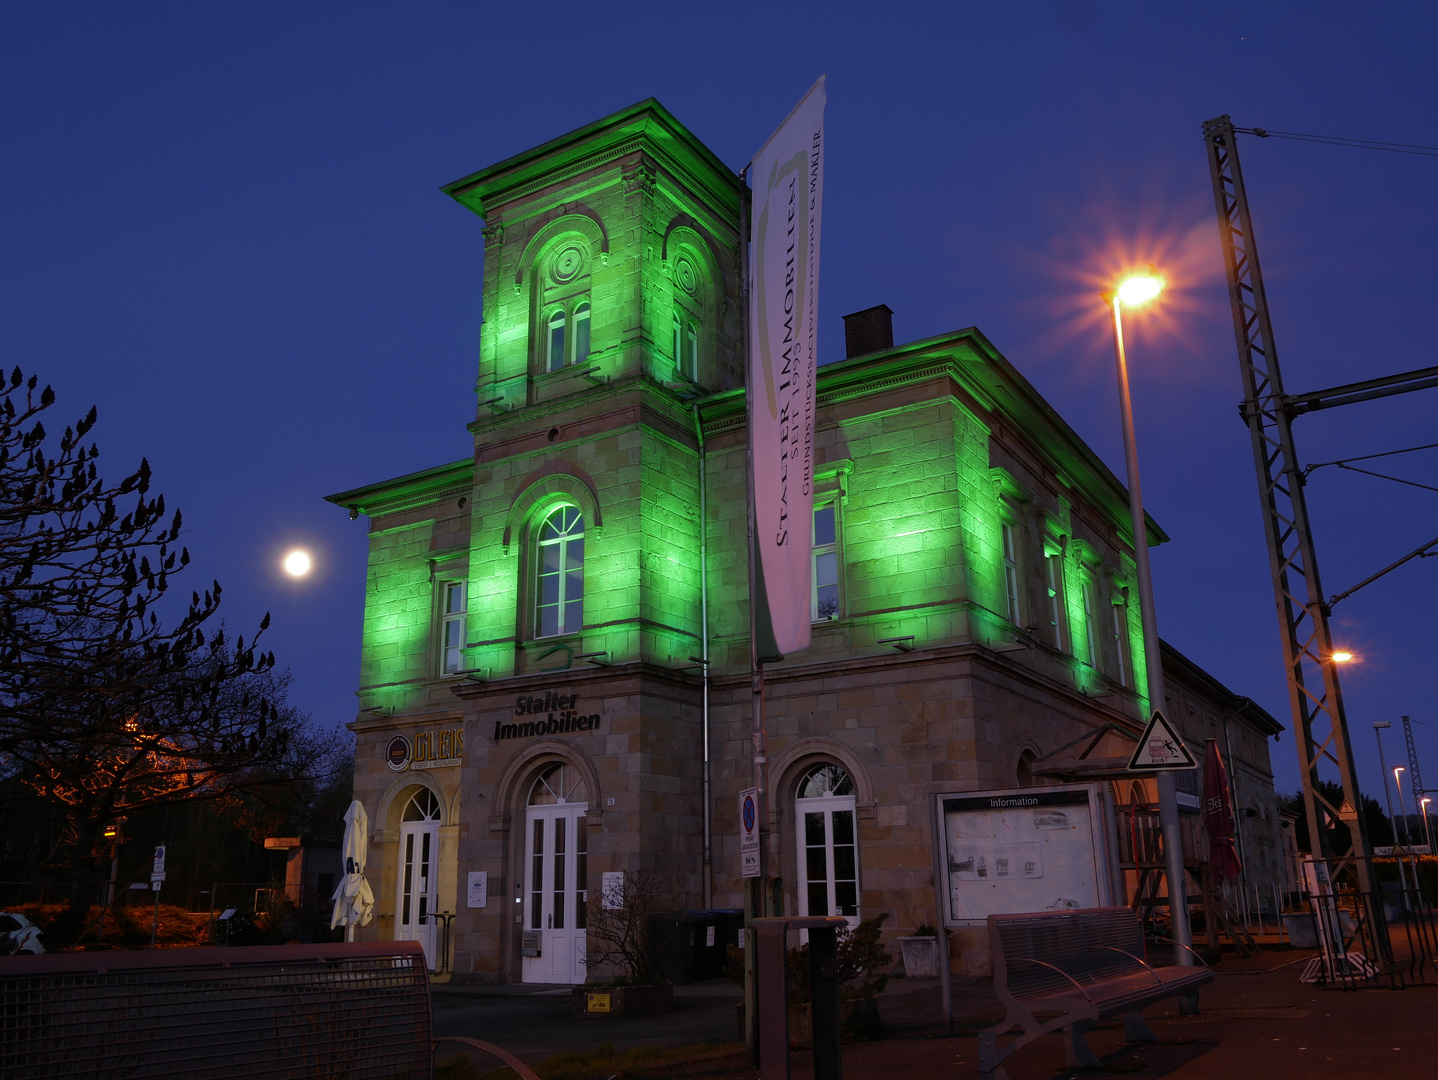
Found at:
(297, 563)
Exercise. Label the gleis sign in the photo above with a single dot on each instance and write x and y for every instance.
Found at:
(787, 176)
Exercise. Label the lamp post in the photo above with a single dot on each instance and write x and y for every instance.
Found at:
(1133, 291)
(1402, 809)
(1427, 829)
(1378, 727)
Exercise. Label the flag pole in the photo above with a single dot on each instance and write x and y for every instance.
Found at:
(754, 905)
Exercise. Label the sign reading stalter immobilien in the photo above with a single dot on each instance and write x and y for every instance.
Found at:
(787, 176)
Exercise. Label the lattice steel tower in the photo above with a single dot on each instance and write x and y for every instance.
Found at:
(1316, 699)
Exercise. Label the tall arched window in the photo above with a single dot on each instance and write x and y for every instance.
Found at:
(554, 359)
(828, 852)
(581, 333)
(559, 585)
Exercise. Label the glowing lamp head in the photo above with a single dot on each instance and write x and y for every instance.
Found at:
(1138, 289)
(1342, 657)
(297, 563)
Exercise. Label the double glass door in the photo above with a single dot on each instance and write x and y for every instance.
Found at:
(418, 885)
(555, 893)
(828, 857)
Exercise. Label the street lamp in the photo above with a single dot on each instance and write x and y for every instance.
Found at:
(1402, 810)
(1132, 291)
(1427, 829)
(1378, 727)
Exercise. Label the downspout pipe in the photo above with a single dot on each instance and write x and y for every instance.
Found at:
(708, 868)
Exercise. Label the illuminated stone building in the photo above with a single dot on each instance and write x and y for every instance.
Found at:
(531, 706)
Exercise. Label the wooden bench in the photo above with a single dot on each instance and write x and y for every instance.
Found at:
(1075, 968)
(359, 1010)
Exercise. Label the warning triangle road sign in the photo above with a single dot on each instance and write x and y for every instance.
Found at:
(1161, 748)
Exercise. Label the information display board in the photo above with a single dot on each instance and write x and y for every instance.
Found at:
(1015, 850)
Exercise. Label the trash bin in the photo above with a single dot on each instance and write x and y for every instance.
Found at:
(690, 946)
(673, 936)
(716, 930)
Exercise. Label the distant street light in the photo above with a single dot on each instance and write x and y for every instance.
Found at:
(1133, 290)
(1378, 727)
(1427, 829)
(1402, 809)
(1342, 657)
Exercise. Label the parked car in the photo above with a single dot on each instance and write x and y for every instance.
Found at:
(19, 935)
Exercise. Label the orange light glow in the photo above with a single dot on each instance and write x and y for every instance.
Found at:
(1139, 289)
(1342, 657)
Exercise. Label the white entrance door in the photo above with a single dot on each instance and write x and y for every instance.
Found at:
(417, 891)
(555, 893)
(828, 857)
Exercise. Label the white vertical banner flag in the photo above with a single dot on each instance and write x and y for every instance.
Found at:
(787, 176)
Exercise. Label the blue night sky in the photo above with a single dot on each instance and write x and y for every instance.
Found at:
(222, 224)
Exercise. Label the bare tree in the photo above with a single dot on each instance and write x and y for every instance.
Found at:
(618, 924)
(104, 708)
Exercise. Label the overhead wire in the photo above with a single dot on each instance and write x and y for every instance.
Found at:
(1370, 457)
(1415, 149)
(1384, 476)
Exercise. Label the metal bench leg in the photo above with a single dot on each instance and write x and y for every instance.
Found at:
(988, 1055)
(1136, 1029)
(1077, 1053)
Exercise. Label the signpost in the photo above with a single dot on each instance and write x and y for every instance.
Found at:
(157, 876)
(1160, 748)
(749, 832)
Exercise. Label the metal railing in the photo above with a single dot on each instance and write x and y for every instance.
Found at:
(1367, 939)
(353, 1011)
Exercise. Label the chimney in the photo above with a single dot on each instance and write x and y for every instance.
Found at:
(868, 331)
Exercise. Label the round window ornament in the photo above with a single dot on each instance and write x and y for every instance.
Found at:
(685, 276)
(567, 264)
(396, 754)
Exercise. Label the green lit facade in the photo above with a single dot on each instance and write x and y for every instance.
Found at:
(529, 708)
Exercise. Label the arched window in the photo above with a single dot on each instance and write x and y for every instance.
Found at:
(691, 310)
(422, 806)
(558, 783)
(581, 333)
(1025, 771)
(559, 585)
(690, 352)
(554, 359)
(827, 839)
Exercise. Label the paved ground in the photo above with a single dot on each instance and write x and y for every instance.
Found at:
(1256, 1020)
(533, 1022)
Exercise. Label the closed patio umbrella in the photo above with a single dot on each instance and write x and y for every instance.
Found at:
(1218, 816)
(354, 900)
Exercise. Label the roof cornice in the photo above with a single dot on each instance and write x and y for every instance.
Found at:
(403, 492)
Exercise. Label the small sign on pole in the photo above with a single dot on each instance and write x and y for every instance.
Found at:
(1160, 748)
(749, 832)
(160, 862)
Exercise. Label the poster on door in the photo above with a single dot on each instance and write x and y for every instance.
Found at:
(1036, 849)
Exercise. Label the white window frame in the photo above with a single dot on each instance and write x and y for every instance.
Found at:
(1120, 633)
(815, 552)
(1009, 544)
(452, 625)
(554, 357)
(582, 327)
(1087, 588)
(562, 541)
(828, 806)
(1054, 582)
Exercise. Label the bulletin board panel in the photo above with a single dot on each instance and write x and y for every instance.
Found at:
(1016, 850)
